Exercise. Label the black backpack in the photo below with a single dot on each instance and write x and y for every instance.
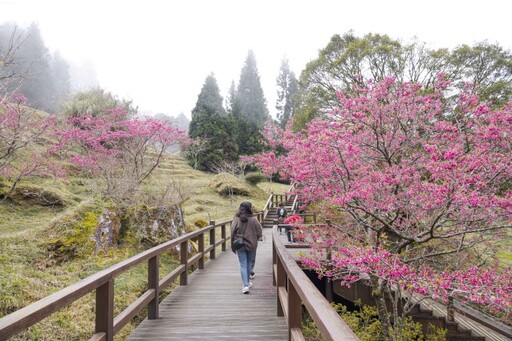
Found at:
(281, 212)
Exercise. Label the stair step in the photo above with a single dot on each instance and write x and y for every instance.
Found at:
(464, 338)
(459, 333)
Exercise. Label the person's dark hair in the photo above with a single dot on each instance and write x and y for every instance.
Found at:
(281, 204)
(244, 211)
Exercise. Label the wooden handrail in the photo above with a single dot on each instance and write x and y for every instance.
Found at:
(268, 205)
(294, 289)
(295, 203)
(103, 283)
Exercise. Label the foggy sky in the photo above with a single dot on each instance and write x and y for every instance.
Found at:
(158, 53)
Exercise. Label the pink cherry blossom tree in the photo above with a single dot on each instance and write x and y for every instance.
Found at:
(122, 151)
(23, 152)
(419, 193)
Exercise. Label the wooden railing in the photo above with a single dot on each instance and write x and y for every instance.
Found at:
(107, 325)
(268, 205)
(294, 289)
(295, 206)
(277, 199)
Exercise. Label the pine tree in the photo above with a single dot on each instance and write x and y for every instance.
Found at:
(34, 57)
(61, 81)
(286, 89)
(209, 98)
(231, 101)
(210, 122)
(253, 105)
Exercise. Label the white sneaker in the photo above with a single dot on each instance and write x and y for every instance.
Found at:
(245, 289)
(252, 275)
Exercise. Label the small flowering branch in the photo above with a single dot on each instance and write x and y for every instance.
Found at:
(293, 220)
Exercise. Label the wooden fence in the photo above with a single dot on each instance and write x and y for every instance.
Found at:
(107, 325)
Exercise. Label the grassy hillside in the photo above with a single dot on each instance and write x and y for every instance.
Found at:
(29, 273)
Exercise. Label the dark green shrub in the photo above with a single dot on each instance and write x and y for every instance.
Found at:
(255, 177)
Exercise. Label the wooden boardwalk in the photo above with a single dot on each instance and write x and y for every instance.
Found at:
(212, 306)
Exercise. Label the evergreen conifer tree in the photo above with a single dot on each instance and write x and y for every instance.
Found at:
(253, 105)
(61, 81)
(286, 88)
(34, 56)
(210, 122)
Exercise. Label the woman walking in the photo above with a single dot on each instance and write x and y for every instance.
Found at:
(247, 226)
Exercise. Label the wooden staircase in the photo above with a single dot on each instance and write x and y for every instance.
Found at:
(268, 221)
(455, 332)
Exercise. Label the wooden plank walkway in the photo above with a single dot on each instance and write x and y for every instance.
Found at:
(212, 306)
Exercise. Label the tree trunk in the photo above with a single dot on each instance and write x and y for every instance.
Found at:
(380, 301)
(450, 316)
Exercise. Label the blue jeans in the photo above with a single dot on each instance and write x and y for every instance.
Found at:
(289, 233)
(246, 259)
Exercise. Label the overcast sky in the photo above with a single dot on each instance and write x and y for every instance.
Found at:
(158, 53)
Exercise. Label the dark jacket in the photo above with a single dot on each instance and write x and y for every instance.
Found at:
(281, 212)
(253, 232)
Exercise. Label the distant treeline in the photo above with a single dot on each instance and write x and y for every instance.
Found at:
(45, 78)
(224, 132)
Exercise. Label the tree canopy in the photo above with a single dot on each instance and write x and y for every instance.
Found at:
(347, 60)
(418, 190)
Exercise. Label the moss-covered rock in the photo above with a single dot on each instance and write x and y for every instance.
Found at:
(36, 195)
(190, 227)
(71, 234)
(106, 234)
(227, 184)
(154, 225)
(200, 223)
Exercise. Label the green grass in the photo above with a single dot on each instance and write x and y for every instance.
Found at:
(504, 252)
(29, 275)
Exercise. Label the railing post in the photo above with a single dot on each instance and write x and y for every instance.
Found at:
(212, 240)
(294, 310)
(200, 246)
(275, 223)
(184, 261)
(274, 262)
(281, 282)
(153, 279)
(223, 236)
(105, 310)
